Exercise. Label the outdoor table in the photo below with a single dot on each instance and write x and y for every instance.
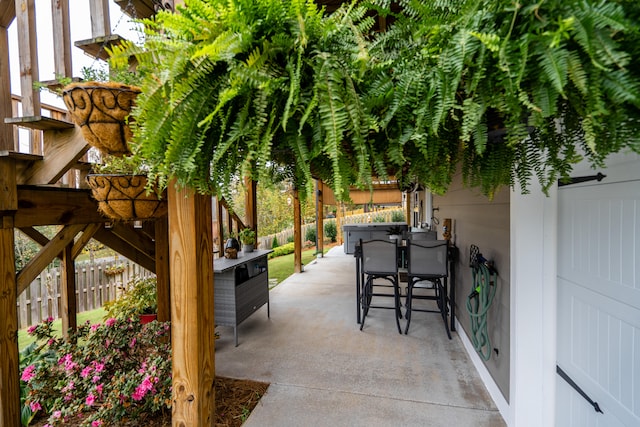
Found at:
(402, 260)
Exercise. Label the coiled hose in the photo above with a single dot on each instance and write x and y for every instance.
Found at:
(478, 302)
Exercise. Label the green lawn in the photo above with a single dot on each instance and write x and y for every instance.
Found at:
(282, 267)
(93, 316)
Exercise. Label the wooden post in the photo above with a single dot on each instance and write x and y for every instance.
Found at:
(192, 316)
(61, 38)
(319, 219)
(28, 53)
(68, 292)
(100, 20)
(9, 359)
(297, 233)
(251, 206)
(162, 269)
(220, 229)
(339, 220)
(9, 375)
(408, 211)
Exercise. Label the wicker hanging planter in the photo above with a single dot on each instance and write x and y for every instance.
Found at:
(125, 198)
(101, 110)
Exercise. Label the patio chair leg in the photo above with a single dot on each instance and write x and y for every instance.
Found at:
(443, 303)
(397, 310)
(408, 312)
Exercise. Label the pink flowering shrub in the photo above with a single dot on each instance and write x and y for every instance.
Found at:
(106, 374)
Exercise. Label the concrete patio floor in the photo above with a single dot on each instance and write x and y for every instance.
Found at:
(324, 371)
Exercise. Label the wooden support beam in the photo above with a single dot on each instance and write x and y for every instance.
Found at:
(46, 255)
(339, 222)
(100, 20)
(136, 238)
(220, 229)
(47, 206)
(192, 316)
(38, 122)
(8, 189)
(319, 218)
(28, 58)
(408, 210)
(162, 269)
(68, 292)
(61, 38)
(62, 150)
(6, 109)
(9, 371)
(37, 237)
(9, 358)
(251, 205)
(297, 233)
(121, 246)
(7, 12)
(87, 234)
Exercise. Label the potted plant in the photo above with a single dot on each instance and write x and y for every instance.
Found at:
(248, 239)
(201, 119)
(395, 233)
(509, 90)
(122, 190)
(138, 300)
(309, 95)
(101, 110)
(100, 104)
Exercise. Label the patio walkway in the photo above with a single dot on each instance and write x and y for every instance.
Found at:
(325, 372)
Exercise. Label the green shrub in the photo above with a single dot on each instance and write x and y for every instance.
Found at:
(274, 242)
(331, 231)
(283, 250)
(290, 239)
(379, 218)
(310, 235)
(139, 297)
(397, 216)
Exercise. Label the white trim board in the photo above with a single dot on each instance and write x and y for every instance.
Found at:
(487, 379)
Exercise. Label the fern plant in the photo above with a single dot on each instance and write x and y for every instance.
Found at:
(562, 77)
(264, 88)
(254, 88)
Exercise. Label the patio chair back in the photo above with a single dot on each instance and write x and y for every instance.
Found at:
(428, 258)
(379, 257)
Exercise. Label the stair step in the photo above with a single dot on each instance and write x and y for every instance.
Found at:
(95, 47)
(55, 85)
(137, 8)
(39, 122)
(20, 156)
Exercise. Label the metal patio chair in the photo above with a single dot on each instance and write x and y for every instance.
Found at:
(380, 261)
(427, 270)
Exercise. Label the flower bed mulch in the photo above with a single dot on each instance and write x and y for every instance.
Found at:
(235, 399)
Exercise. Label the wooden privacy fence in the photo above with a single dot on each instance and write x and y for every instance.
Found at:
(285, 236)
(96, 283)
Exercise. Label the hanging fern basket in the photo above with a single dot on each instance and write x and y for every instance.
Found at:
(101, 110)
(125, 198)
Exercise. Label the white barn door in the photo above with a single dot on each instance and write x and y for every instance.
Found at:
(599, 297)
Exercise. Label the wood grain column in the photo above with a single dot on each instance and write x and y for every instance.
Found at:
(68, 292)
(319, 218)
(192, 316)
(251, 205)
(162, 269)
(297, 233)
(9, 376)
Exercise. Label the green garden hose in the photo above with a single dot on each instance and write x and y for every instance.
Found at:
(478, 303)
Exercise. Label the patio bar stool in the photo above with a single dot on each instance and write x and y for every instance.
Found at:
(428, 264)
(380, 261)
